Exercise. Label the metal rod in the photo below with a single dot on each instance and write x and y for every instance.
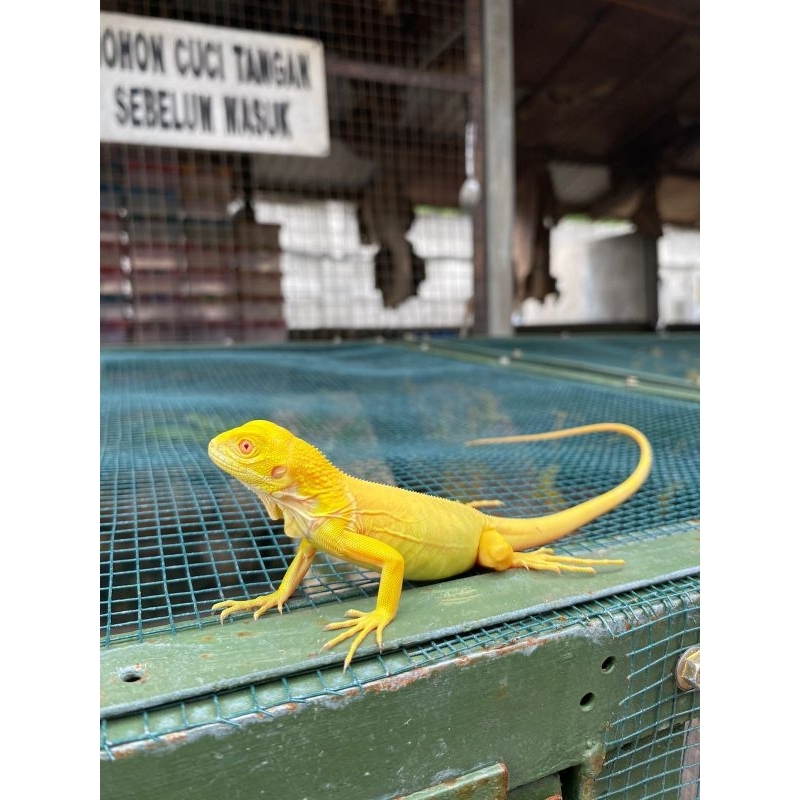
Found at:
(400, 76)
(474, 54)
(644, 8)
(498, 83)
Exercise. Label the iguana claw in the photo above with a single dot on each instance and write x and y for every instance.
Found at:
(544, 559)
(258, 604)
(363, 623)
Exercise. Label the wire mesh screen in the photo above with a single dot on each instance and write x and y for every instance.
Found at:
(177, 534)
(653, 751)
(203, 246)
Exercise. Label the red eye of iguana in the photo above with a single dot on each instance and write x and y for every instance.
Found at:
(245, 447)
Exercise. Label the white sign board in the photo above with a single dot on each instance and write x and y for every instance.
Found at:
(180, 84)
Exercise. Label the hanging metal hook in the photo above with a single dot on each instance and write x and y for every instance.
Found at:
(470, 193)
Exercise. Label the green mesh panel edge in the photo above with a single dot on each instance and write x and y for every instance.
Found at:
(655, 623)
(664, 357)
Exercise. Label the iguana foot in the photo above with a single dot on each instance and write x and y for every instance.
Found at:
(258, 604)
(544, 559)
(360, 626)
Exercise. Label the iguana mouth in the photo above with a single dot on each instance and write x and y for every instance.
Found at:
(215, 453)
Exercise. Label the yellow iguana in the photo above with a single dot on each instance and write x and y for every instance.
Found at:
(395, 531)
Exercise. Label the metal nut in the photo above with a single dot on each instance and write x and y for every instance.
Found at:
(687, 670)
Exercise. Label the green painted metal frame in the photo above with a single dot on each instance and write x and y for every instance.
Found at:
(537, 705)
(161, 670)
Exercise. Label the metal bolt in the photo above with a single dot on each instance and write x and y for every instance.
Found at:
(687, 670)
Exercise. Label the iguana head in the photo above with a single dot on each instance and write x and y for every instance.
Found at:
(257, 453)
(270, 459)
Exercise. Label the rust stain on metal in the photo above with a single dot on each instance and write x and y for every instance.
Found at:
(281, 710)
(459, 790)
(395, 682)
(424, 671)
(136, 748)
(593, 765)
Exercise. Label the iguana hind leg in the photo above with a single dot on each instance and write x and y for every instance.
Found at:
(496, 553)
(545, 559)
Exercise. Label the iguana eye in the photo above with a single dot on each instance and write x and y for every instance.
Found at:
(245, 447)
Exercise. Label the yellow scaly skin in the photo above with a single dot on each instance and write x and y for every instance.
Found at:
(396, 531)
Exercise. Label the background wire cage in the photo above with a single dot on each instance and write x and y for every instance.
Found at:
(177, 534)
(201, 246)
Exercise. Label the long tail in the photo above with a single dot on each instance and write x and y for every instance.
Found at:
(536, 531)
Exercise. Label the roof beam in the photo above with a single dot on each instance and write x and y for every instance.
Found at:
(663, 13)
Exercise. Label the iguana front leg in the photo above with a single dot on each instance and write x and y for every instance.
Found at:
(344, 543)
(291, 580)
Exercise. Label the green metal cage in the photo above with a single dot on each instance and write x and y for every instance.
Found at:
(474, 670)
